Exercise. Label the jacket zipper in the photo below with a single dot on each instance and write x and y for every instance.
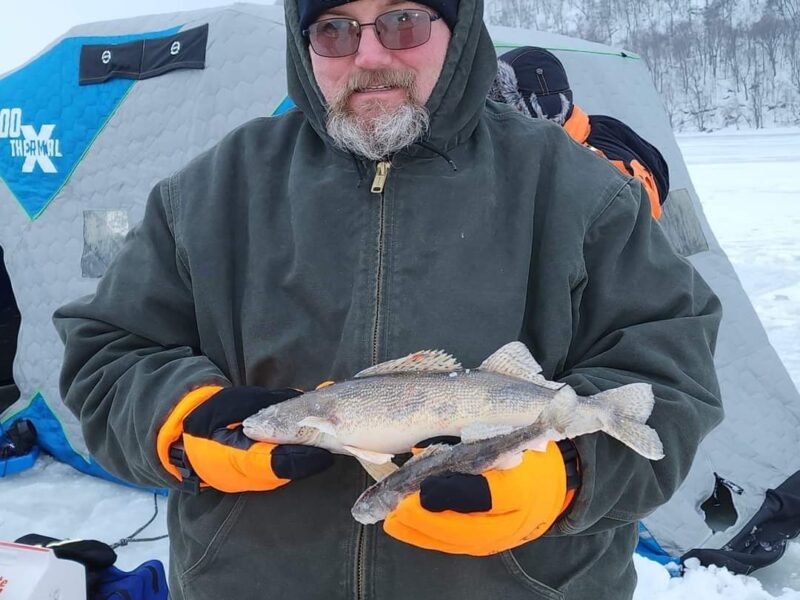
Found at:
(381, 173)
(378, 186)
(361, 550)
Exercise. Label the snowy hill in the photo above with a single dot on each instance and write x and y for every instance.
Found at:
(716, 63)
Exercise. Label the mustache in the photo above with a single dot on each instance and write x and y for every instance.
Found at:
(368, 79)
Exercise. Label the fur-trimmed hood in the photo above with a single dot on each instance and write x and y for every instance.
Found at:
(552, 104)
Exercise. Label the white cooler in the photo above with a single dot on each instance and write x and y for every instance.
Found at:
(34, 573)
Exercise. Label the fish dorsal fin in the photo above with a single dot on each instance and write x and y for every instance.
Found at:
(424, 361)
(427, 452)
(515, 360)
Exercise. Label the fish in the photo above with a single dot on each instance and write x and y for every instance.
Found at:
(473, 458)
(387, 409)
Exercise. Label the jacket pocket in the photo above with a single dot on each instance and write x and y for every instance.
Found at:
(215, 543)
(539, 589)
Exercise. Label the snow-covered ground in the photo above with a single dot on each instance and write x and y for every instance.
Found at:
(749, 183)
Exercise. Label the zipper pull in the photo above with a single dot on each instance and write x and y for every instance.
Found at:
(381, 173)
(736, 489)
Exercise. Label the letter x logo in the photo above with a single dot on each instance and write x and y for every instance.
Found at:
(44, 135)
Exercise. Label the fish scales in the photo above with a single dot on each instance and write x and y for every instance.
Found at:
(390, 414)
(415, 398)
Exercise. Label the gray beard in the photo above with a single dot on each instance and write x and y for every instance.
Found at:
(378, 137)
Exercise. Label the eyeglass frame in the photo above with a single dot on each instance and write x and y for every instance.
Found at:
(306, 33)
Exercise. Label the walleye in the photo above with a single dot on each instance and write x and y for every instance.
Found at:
(388, 408)
(473, 458)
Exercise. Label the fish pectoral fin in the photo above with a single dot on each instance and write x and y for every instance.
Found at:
(378, 464)
(427, 452)
(378, 472)
(376, 458)
(324, 425)
(508, 461)
(424, 361)
(539, 443)
(515, 360)
(482, 431)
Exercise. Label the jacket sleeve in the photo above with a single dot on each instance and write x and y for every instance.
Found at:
(642, 313)
(132, 350)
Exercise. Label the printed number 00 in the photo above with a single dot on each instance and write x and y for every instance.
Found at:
(10, 122)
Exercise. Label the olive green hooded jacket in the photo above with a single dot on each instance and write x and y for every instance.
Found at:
(268, 261)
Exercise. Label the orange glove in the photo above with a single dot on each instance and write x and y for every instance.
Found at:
(485, 514)
(203, 445)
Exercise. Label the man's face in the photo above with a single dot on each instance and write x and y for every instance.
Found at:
(345, 81)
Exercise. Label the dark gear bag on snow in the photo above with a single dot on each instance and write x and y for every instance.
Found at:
(146, 582)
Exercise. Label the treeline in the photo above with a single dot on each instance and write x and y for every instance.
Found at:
(717, 63)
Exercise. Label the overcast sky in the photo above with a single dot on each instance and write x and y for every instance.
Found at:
(27, 26)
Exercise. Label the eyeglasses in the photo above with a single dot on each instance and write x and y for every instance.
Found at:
(396, 30)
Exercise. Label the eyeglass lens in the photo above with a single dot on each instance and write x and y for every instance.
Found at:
(396, 30)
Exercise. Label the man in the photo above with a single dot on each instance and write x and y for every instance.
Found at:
(394, 211)
(534, 82)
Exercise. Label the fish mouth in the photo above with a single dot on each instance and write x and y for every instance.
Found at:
(262, 426)
(278, 435)
(256, 432)
(362, 513)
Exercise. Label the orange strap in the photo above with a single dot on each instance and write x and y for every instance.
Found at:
(637, 170)
(641, 173)
(172, 429)
(578, 126)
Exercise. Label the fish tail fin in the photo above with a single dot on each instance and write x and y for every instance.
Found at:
(637, 436)
(634, 401)
(628, 408)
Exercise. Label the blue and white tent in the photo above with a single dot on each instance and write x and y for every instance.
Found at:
(77, 162)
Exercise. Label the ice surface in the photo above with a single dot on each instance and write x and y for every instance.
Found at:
(749, 183)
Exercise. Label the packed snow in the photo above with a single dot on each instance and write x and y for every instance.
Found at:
(750, 191)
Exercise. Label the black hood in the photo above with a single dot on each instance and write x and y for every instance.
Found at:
(457, 100)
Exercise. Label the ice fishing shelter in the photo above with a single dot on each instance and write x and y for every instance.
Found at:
(93, 122)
